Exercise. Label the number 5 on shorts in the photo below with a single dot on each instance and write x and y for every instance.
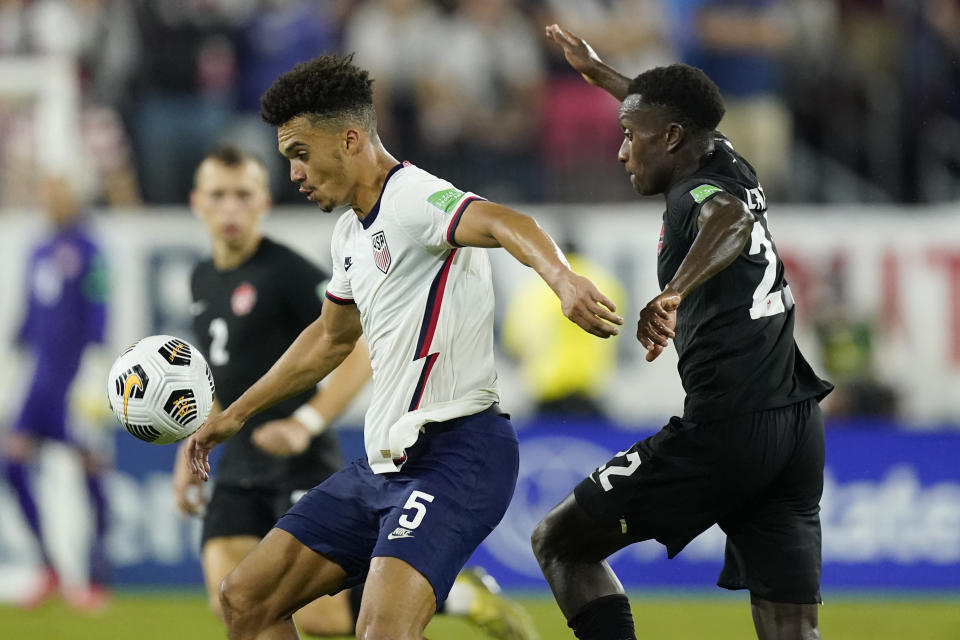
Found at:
(421, 509)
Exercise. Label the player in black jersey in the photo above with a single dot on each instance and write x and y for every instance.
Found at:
(251, 299)
(748, 451)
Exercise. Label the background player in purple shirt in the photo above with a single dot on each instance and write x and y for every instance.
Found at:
(66, 312)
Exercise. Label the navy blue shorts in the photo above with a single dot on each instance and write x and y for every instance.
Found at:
(452, 491)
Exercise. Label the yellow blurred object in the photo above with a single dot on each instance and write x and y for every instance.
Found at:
(557, 358)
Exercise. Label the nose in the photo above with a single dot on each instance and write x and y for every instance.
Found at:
(297, 174)
(624, 153)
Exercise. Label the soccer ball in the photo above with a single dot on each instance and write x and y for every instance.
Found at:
(160, 389)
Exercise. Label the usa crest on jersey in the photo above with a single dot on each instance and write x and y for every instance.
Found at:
(381, 252)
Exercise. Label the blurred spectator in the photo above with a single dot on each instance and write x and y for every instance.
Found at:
(738, 43)
(482, 99)
(929, 81)
(580, 137)
(65, 313)
(276, 37)
(396, 40)
(13, 27)
(565, 369)
(188, 87)
(100, 37)
(847, 350)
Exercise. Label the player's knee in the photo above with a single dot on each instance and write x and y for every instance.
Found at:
(17, 448)
(213, 600)
(381, 628)
(547, 538)
(540, 540)
(235, 603)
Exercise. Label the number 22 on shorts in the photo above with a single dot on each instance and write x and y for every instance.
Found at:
(604, 472)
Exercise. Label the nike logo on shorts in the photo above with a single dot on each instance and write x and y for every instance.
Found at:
(399, 532)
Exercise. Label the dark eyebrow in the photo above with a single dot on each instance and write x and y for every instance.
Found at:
(292, 147)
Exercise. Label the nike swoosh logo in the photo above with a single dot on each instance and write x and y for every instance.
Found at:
(133, 380)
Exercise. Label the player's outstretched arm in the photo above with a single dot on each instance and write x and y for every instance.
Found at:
(725, 225)
(316, 352)
(486, 224)
(291, 436)
(584, 59)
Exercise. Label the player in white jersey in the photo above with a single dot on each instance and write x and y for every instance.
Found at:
(441, 459)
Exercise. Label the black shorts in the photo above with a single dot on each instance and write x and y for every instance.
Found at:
(245, 511)
(759, 476)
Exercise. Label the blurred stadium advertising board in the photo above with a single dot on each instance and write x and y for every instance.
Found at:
(894, 271)
(891, 513)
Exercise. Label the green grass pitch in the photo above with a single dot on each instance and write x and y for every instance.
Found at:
(166, 615)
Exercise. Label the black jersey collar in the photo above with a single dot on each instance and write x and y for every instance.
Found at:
(372, 216)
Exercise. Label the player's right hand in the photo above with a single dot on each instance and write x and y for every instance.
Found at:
(657, 323)
(215, 430)
(284, 437)
(578, 53)
(584, 304)
(187, 489)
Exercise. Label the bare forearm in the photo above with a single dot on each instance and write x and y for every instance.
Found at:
(311, 357)
(526, 241)
(718, 244)
(610, 80)
(344, 384)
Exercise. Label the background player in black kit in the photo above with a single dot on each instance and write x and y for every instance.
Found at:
(251, 299)
(748, 451)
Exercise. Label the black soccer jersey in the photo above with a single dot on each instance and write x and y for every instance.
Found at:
(734, 333)
(244, 319)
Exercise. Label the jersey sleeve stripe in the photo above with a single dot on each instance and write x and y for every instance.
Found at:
(432, 311)
(341, 301)
(452, 227)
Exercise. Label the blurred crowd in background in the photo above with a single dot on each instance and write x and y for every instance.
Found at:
(833, 100)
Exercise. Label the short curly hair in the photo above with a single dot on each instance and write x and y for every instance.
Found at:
(686, 92)
(328, 89)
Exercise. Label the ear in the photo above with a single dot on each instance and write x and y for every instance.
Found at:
(675, 136)
(194, 201)
(351, 140)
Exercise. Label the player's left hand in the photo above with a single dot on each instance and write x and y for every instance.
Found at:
(215, 430)
(586, 306)
(657, 323)
(284, 437)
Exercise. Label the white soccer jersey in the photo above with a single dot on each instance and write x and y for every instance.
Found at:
(426, 306)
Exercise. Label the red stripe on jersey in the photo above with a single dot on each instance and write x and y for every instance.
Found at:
(432, 312)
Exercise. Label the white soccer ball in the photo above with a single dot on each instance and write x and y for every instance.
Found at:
(161, 389)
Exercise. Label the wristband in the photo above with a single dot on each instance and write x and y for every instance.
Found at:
(310, 418)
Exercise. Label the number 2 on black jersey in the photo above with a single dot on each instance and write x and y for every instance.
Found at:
(765, 301)
(219, 333)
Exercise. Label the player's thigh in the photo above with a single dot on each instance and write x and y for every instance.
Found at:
(670, 487)
(568, 533)
(219, 556)
(398, 601)
(279, 576)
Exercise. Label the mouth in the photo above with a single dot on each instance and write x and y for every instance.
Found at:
(308, 193)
